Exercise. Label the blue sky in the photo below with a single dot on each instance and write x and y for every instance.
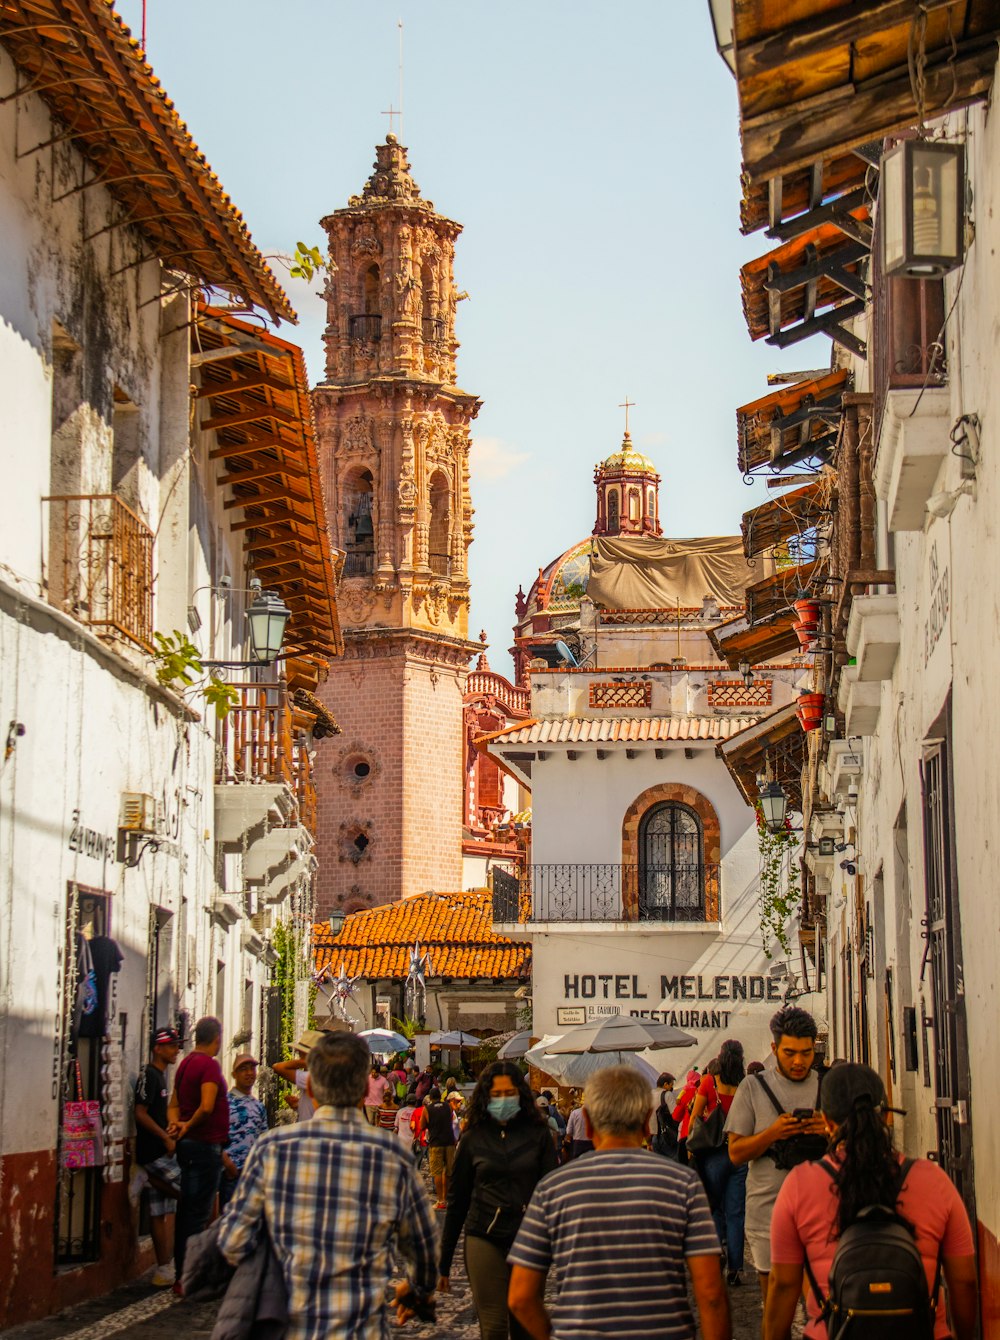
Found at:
(591, 152)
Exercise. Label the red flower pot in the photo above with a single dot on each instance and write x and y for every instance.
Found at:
(806, 633)
(810, 710)
(807, 610)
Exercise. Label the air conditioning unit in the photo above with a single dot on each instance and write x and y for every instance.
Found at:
(138, 813)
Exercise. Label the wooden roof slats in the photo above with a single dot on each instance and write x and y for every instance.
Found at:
(783, 200)
(775, 594)
(286, 538)
(738, 641)
(817, 77)
(775, 746)
(777, 520)
(79, 57)
(818, 269)
(794, 423)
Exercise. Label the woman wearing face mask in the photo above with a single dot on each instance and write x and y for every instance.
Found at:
(504, 1152)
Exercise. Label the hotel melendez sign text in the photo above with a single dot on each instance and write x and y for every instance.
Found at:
(624, 989)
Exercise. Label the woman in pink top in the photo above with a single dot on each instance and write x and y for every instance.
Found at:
(682, 1114)
(812, 1210)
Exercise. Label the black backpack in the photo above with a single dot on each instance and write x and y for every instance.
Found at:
(877, 1286)
(665, 1140)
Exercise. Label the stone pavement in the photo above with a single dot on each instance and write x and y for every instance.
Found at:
(139, 1312)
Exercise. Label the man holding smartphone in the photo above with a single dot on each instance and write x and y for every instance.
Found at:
(773, 1125)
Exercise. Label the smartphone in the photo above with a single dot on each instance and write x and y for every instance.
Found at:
(803, 1114)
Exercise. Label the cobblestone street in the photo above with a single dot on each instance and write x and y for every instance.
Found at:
(139, 1310)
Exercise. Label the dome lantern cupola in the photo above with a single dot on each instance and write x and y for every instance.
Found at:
(628, 493)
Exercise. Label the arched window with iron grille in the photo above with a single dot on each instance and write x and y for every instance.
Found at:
(671, 864)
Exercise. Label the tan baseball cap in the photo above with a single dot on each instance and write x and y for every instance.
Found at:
(244, 1058)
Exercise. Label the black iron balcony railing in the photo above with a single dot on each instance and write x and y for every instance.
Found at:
(674, 893)
(364, 329)
(359, 563)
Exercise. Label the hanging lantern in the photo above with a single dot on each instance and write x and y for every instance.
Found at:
(922, 202)
(267, 616)
(774, 806)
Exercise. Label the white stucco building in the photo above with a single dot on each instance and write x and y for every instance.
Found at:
(641, 894)
(891, 462)
(154, 448)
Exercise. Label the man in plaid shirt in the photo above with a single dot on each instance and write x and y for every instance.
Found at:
(340, 1199)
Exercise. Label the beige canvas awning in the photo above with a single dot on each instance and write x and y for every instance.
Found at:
(642, 573)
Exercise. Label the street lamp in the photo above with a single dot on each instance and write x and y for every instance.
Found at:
(746, 671)
(774, 806)
(923, 208)
(722, 26)
(267, 615)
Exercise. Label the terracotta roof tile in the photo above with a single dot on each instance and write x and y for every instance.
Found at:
(457, 928)
(600, 730)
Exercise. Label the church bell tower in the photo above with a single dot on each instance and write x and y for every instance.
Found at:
(393, 433)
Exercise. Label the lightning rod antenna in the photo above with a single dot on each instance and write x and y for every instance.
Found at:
(399, 25)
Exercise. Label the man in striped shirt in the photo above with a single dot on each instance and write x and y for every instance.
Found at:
(338, 1198)
(618, 1227)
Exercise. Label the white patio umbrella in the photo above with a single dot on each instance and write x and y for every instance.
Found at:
(576, 1070)
(620, 1033)
(515, 1047)
(456, 1038)
(384, 1041)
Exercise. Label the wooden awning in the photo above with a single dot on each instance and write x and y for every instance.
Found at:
(81, 60)
(791, 424)
(777, 520)
(774, 747)
(738, 640)
(781, 204)
(254, 396)
(776, 593)
(809, 285)
(816, 77)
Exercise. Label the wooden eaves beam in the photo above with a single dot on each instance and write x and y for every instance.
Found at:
(249, 416)
(280, 493)
(249, 383)
(837, 212)
(827, 324)
(251, 445)
(799, 134)
(811, 38)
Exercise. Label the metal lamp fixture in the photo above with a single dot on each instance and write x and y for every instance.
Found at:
(923, 208)
(774, 806)
(723, 28)
(267, 616)
(746, 671)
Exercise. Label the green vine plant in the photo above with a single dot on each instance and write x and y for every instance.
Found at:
(780, 882)
(406, 1027)
(307, 262)
(287, 944)
(178, 665)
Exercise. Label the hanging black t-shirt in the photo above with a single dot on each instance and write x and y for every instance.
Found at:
(107, 958)
(151, 1092)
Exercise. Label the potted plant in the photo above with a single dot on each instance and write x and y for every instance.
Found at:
(810, 710)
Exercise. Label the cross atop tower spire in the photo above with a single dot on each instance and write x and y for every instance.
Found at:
(626, 405)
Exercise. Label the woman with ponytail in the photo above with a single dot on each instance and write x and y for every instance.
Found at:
(816, 1206)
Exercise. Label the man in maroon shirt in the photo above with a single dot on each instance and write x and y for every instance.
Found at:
(198, 1114)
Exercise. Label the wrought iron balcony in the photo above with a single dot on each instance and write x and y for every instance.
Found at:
(101, 565)
(359, 563)
(589, 893)
(366, 329)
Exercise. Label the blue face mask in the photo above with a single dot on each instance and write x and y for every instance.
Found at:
(503, 1109)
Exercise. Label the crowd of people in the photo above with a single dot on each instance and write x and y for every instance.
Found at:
(633, 1202)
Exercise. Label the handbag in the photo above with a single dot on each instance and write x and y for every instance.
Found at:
(708, 1132)
(81, 1131)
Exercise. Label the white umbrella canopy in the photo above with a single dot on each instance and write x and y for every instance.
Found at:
(620, 1033)
(454, 1039)
(384, 1041)
(577, 1069)
(515, 1047)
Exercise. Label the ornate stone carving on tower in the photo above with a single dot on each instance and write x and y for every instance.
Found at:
(393, 430)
